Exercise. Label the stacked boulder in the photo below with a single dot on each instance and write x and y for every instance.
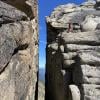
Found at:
(73, 52)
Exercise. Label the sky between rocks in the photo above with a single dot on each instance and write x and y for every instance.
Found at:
(45, 8)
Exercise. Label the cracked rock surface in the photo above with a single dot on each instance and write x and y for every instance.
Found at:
(73, 52)
(18, 53)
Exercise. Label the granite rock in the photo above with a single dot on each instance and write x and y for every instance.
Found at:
(18, 52)
(73, 68)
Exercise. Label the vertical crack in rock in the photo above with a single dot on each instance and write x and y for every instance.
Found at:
(18, 50)
(73, 52)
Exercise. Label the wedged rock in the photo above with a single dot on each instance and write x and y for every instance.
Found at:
(78, 47)
(53, 46)
(75, 92)
(91, 57)
(91, 37)
(67, 63)
(10, 14)
(69, 55)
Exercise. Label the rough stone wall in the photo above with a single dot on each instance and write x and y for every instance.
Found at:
(73, 52)
(18, 49)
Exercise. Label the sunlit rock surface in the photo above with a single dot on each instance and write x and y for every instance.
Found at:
(18, 50)
(73, 52)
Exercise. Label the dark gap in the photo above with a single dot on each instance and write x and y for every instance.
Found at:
(4, 68)
(20, 47)
(36, 88)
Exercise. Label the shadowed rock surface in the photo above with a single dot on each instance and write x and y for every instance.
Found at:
(73, 52)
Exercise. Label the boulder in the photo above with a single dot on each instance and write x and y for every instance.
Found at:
(86, 74)
(78, 47)
(90, 57)
(69, 55)
(10, 14)
(75, 92)
(90, 37)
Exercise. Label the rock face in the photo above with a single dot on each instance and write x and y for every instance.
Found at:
(41, 91)
(18, 50)
(73, 52)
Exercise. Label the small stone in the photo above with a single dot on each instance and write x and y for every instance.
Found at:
(68, 63)
(75, 92)
(69, 56)
(53, 46)
(62, 48)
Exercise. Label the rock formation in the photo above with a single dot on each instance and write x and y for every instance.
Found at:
(41, 91)
(73, 52)
(18, 50)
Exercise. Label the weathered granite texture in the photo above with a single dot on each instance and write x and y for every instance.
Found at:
(18, 50)
(41, 91)
(73, 52)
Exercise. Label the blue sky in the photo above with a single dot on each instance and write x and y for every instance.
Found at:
(45, 8)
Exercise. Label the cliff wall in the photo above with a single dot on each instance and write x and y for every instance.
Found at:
(73, 52)
(18, 49)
